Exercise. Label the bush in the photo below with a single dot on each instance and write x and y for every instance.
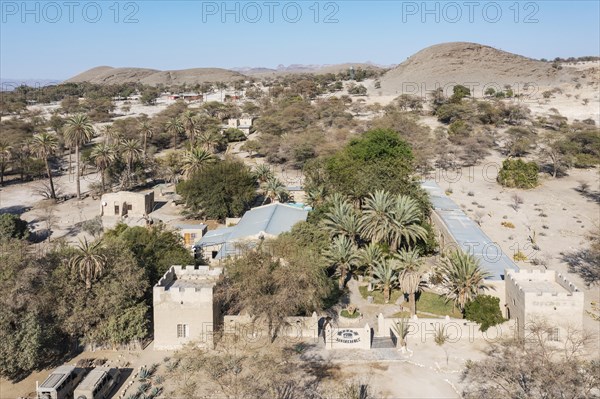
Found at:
(233, 135)
(519, 256)
(508, 225)
(519, 174)
(484, 310)
(12, 226)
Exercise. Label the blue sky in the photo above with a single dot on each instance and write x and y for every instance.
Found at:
(47, 39)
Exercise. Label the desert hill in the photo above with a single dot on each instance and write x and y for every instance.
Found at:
(109, 75)
(470, 64)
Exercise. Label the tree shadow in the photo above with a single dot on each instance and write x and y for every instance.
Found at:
(15, 209)
(585, 263)
(593, 196)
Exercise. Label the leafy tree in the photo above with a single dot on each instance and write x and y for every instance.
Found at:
(149, 95)
(103, 156)
(5, 157)
(462, 277)
(344, 257)
(27, 331)
(221, 190)
(78, 131)
(484, 310)
(385, 277)
(272, 285)
(88, 261)
(411, 276)
(155, 249)
(459, 92)
(519, 174)
(12, 226)
(233, 135)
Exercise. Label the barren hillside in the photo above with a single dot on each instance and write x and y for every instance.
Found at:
(109, 75)
(471, 64)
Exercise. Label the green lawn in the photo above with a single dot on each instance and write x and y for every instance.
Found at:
(378, 295)
(428, 302)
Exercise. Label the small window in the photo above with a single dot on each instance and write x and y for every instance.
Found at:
(514, 301)
(182, 331)
(129, 207)
(553, 334)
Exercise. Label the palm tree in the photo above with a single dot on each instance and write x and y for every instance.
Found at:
(407, 226)
(393, 220)
(342, 219)
(273, 189)
(110, 134)
(190, 124)
(195, 160)
(175, 127)
(262, 173)
(210, 140)
(369, 255)
(377, 221)
(316, 196)
(88, 261)
(147, 132)
(463, 278)
(43, 146)
(411, 278)
(343, 254)
(103, 156)
(78, 131)
(5, 157)
(385, 277)
(130, 151)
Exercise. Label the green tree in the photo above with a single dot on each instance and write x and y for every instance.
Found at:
(175, 127)
(231, 193)
(519, 174)
(342, 219)
(189, 122)
(344, 257)
(88, 261)
(146, 131)
(155, 249)
(195, 160)
(274, 189)
(462, 277)
(410, 276)
(78, 131)
(131, 152)
(43, 145)
(385, 277)
(12, 226)
(5, 157)
(484, 310)
(103, 156)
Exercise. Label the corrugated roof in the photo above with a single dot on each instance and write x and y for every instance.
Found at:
(269, 220)
(468, 234)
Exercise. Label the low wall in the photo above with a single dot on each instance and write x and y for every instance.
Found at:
(302, 328)
(424, 330)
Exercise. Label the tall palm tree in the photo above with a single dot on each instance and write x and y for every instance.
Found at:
(343, 255)
(195, 160)
(262, 173)
(407, 226)
(190, 124)
(78, 131)
(369, 255)
(462, 277)
(131, 152)
(43, 145)
(273, 189)
(411, 277)
(385, 277)
(146, 131)
(342, 219)
(103, 156)
(377, 221)
(89, 261)
(175, 127)
(210, 140)
(110, 134)
(5, 157)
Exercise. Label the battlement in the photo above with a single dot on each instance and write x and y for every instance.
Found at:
(542, 283)
(190, 278)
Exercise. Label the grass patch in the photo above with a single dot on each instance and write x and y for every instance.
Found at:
(433, 303)
(344, 313)
(378, 295)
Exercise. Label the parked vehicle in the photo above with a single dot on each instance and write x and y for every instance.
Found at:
(98, 384)
(61, 383)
